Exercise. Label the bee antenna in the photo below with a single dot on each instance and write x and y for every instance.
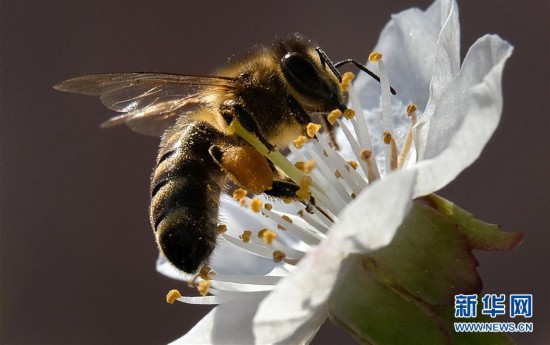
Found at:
(362, 68)
(326, 61)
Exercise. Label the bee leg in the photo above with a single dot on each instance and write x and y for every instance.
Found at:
(232, 110)
(331, 135)
(286, 189)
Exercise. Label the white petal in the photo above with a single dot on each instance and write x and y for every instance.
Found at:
(408, 43)
(466, 116)
(303, 295)
(228, 323)
(371, 220)
(231, 323)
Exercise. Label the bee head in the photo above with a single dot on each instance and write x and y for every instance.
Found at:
(311, 79)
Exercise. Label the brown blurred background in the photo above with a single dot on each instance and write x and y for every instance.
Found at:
(77, 253)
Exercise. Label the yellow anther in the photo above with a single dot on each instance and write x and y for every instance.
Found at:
(312, 129)
(172, 296)
(267, 235)
(309, 166)
(346, 80)
(242, 202)
(306, 167)
(287, 218)
(222, 228)
(353, 164)
(256, 204)
(203, 287)
(411, 112)
(300, 141)
(299, 165)
(239, 193)
(245, 237)
(353, 195)
(268, 206)
(288, 200)
(206, 272)
(303, 194)
(375, 56)
(305, 181)
(337, 174)
(365, 154)
(278, 256)
(349, 114)
(280, 227)
(334, 115)
(387, 137)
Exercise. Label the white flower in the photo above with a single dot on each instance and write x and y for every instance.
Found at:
(459, 108)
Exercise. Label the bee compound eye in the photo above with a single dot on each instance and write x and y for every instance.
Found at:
(299, 70)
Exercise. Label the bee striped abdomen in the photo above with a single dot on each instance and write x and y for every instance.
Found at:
(185, 189)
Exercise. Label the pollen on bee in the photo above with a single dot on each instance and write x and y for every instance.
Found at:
(334, 115)
(239, 193)
(203, 287)
(246, 235)
(172, 296)
(312, 129)
(256, 205)
(346, 80)
(222, 228)
(375, 56)
(267, 235)
(278, 256)
(349, 114)
(300, 141)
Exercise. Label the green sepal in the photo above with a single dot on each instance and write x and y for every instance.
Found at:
(404, 292)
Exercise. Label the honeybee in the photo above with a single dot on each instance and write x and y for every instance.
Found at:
(271, 92)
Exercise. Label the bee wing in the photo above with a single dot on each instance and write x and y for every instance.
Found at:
(150, 101)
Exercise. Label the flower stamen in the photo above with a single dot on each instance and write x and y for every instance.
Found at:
(333, 116)
(278, 256)
(172, 296)
(300, 141)
(203, 287)
(346, 80)
(267, 235)
(407, 144)
(256, 205)
(372, 172)
(389, 140)
(312, 129)
(245, 237)
(239, 193)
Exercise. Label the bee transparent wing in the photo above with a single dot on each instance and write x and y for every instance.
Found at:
(150, 101)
